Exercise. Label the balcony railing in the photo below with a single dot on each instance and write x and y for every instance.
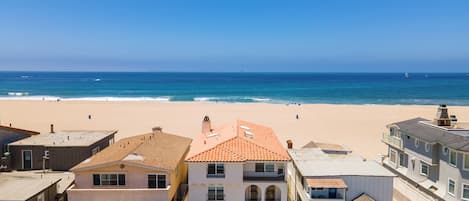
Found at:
(392, 140)
(263, 176)
(320, 198)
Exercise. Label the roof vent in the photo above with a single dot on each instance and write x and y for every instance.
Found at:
(157, 129)
(248, 134)
(245, 127)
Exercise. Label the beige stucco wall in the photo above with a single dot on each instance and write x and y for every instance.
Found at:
(136, 182)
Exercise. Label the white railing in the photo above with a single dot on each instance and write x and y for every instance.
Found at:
(392, 140)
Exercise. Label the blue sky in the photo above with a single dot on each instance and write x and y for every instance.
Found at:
(314, 35)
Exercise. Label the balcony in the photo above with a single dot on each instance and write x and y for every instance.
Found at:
(263, 176)
(117, 194)
(392, 141)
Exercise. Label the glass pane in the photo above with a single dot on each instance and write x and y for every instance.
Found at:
(220, 169)
(211, 169)
(96, 180)
(121, 179)
(466, 161)
(161, 181)
(211, 193)
(220, 193)
(465, 193)
(259, 167)
(269, 167)
(152, 181)
(452, 157)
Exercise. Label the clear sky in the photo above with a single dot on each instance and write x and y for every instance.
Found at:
(222, 35)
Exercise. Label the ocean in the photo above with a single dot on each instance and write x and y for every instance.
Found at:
(280, 88)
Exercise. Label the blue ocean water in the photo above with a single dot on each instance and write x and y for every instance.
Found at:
(335, 88)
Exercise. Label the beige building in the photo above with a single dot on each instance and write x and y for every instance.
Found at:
(237, 161)
(147, 167)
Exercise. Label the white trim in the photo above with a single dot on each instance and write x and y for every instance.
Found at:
(428, 168)
(416, 142)
(449, 158)
(462, 191)
(390, 152)
(22, 158)
(427, 147)
(157, 174)
(447, 190)
(109, 173)
(399, 155)
(445, 152)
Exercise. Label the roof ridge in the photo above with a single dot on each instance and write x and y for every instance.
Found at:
(207, 150)
(262, 147)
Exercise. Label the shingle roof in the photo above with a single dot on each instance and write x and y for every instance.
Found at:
(231, 143)
(159, 150)
(454, 139)
(18, 130)
(326, 183)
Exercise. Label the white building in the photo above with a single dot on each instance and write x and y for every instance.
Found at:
(238, 161)
(329, 172)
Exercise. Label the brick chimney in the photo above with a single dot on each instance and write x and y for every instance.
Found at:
(442, 117)
(206, 125)
(289, 144)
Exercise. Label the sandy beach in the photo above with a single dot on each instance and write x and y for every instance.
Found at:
(358, 127)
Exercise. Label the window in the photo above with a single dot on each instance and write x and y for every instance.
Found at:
(451, 187)
(445, 151)
(111, 141)
(427, 147)
(452, 157)
(416, 142)
(265, 167)
(423, 168)
(465, 192)
(392, 156)
(216, 193)
(466, 162)
(27, 159)
(216, 169)
(402, 160)
(95, 150)
(156, 181)
(109, 179)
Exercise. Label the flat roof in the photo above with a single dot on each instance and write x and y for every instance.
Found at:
(313, 162)
(67, 138)
(25, 184)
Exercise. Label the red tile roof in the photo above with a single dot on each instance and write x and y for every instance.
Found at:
(238, 142)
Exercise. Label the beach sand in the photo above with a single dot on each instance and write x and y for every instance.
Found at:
(359, 127)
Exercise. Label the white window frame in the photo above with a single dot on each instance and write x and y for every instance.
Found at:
(445, 150)
(216, 170)
(449, 180)
(216, 192)
(399, 156)
(158, 174)
(464, 161)
(427, 147)
(117, 174)
(428, 168)
(416, 142)
(462, 191)
(41, 197)
(22, 157)
(390, 152)
(95, 150)
(455, 161)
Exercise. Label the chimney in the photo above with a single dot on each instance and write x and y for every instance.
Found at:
(206, 125)
(442, 117)
(453, 119)
(157, 130)
(52, 128)
(289, 144)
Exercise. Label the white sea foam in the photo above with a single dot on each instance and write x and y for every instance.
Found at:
(18, 93)
(110, 98)
(231, 99)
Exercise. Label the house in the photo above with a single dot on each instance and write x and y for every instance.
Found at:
(140, 168)
(431, 154)
(321, 171)
(35, 185)
(57, 150)
(8, 135)
(237, 161)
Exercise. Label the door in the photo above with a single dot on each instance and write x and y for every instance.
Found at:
(27, 159)
(332, 193)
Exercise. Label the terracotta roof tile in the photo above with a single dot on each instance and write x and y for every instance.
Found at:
(231, 144)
